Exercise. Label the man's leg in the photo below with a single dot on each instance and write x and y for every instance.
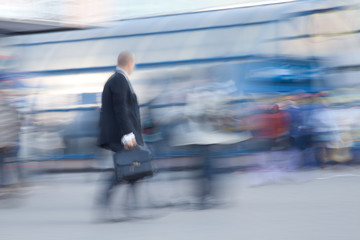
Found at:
(131, 199)
(108, 190)
(206, 176)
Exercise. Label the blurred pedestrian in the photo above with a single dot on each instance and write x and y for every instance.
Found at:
(9, 136)
(200, 132)
(120, 127)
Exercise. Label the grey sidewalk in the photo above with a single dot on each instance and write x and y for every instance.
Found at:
(305, 205)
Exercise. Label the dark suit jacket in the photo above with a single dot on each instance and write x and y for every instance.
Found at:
(119, 113)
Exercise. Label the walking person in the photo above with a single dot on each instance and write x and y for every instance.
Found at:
(9, 136)
(120, 127)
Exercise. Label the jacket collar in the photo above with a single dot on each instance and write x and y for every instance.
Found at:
(122, 71)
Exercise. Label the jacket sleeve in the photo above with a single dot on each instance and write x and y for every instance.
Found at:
(121, 104)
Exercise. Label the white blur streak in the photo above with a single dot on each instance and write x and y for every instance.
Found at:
(250, 3)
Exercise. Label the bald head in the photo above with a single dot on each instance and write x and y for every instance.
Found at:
(126, 61)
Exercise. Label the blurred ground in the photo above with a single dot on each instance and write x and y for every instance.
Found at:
(315, 204)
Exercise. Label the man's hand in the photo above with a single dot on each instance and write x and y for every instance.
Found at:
(130, 144)
(129, 141)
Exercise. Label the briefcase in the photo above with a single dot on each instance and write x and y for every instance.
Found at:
(133, 164)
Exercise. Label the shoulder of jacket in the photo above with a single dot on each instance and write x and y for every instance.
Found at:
(117, 80)
(118, 77)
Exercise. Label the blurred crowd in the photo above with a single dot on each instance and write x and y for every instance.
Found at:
(277, 133)
(309, 129)
(207, 129)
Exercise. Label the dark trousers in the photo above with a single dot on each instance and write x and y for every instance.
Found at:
(110, 185)
(207, 172)
(4, 175)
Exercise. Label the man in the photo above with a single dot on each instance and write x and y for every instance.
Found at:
(120, 127)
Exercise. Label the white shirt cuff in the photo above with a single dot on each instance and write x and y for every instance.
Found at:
(127, 138)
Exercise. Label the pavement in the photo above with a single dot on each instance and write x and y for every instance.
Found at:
(263, 205)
